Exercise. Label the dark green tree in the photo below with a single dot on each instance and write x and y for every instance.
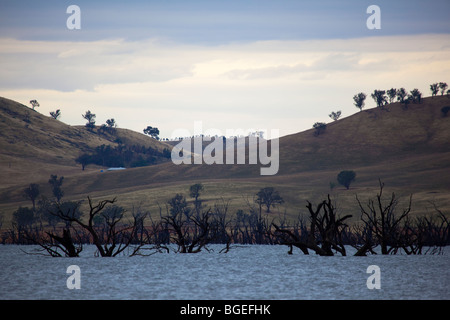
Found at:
(416, 95)
(84, 160)
(31, 193)
(335, 115)
(443, 86)
(55, 114)
(346, 177)
(194, 192)
(379, 96)
(34, 103)
(56, 186)
(319, 128)
(268, 197)
(359, 100)
(152, 132)
(391, 93)
(90, 117)
(401, 95)
(178, 205)
(434, 88)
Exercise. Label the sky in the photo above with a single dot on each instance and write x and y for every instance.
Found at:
(234, 64)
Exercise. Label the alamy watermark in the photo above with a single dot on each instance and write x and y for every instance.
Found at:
(238, 147)
(73, 22)
(374, 21)
(374, 280)
(74, 280)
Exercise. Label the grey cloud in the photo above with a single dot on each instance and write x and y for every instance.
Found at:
(330, 63)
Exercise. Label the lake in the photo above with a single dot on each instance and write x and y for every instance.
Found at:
(246, 272)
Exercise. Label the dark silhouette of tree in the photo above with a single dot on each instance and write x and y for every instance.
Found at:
(379, 96)
(391, 93)
(55, 114)
(124, 156)
(434, 88)
(194, 192)
(401, 95)
(346, 177)
(34, 104)
(56, 186)
(359, 100)
(443, 86)
(31, 193)
(188, 229)
(115, 237)
(416, 95)
(84, 159)
(319, 127)
(152, 132)
(111, 123)
(324, 234)
(268, 197)
(335, 115)
(90, 117)
(22, 221)
(383, 223)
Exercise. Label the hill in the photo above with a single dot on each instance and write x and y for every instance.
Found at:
(407, 148)
(33, 146)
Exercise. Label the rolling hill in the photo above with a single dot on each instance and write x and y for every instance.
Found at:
(407, 148)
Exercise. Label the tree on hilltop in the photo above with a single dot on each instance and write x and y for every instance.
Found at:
(335, 115)
(392, 93)
(90, 117)
(319, 128)
(34, 103)
(359, 100)
(442, 86)
(401, 95)
(55, 114)
(416, 95)
(152, 132)
(379, 96)
(434, 88)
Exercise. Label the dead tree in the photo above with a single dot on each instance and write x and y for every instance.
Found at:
(118, 235)
(190, 236)
(65, 243)
(384, 224)
(188, 229)
(324, 234)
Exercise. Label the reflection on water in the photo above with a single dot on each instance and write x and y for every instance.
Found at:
(246, 272)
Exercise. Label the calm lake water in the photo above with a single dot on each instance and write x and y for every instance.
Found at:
(245, 272)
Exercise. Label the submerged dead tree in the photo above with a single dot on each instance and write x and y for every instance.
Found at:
(111, 240)
(188, 229)
(324, 234)
(382, 223)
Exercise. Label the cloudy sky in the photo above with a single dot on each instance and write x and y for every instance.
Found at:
(232, 64)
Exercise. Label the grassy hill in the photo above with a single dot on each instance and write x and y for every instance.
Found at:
(408, 149)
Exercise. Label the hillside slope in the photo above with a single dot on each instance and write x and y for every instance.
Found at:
(408, 149)
(33, 146)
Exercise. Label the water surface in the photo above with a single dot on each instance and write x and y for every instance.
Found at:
(245, 272)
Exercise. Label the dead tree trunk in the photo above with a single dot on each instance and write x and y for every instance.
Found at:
(324, 234)
(384, 223)
(66, 241)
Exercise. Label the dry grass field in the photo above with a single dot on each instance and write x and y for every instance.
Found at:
(408, 149)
